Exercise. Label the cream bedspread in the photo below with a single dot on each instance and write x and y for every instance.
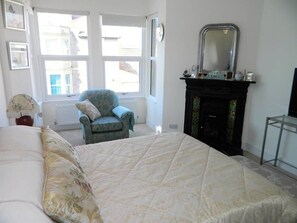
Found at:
(175, 178)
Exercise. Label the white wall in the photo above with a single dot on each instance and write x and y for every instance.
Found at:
(16, 81)
(275, 66)
(183, 24)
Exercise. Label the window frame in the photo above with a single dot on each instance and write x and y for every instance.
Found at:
(152, 58)
(140, 59)
(41, 59)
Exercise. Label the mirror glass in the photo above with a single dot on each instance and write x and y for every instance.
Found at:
(218, 48)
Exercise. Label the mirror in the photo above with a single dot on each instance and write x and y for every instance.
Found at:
(218, 45)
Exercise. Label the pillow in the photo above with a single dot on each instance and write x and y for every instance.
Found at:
(53, 142)
(67, 195)
(89, 109)
(10, 138)
(22, 211)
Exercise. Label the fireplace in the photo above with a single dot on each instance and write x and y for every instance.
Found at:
(214, 112)
(213, 119)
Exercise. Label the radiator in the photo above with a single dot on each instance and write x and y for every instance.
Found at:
(66, 114)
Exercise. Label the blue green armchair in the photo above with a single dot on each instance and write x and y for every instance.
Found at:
(115, 120)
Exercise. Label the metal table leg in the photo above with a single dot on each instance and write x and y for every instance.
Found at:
(278, 143)
(264, 141)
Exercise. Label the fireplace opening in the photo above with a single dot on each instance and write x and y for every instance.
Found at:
(213, 120)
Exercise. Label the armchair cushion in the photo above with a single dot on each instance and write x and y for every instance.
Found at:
(106, 124)
(89, 109)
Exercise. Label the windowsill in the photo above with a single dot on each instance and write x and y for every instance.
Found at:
(151, 99)
(132, 96)
(58, 99)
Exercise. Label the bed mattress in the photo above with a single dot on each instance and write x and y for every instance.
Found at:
(173, 177)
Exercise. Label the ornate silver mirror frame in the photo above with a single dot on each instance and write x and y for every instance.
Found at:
(218, 46)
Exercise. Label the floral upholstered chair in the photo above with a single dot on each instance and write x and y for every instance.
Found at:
(102, 118)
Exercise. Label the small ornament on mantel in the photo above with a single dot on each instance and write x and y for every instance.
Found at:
(250, 76)
(186, 73)
(194, 71)
(239, 76)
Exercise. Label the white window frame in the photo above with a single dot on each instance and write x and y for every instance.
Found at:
(117, 20)
(151, 58)
(43, 58)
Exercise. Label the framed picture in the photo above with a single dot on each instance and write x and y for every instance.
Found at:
(18, 55)
(14, 16)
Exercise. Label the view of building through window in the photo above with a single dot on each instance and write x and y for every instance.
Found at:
(66, 77)
(122, 56)
(64, 52)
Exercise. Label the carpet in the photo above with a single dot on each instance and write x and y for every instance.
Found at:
(286, 183)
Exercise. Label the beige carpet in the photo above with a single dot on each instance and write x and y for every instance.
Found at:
(75, 137)
(285, 182)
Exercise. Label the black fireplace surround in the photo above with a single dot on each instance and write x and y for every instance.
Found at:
(214, 112)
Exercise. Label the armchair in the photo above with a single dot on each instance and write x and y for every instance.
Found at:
(115, 120)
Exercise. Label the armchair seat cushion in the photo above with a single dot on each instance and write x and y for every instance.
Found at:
(106, 124)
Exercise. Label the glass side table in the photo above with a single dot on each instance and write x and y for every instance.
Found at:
(282, 122)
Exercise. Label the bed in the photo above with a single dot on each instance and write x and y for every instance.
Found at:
(168, 177)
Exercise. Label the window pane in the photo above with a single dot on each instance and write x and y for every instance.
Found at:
(55, 82)
(122, 76)
(121, 41)
(154, 24)
(67, 83)
(153, 78)
(62, 34)
(66, 77)
(153, 55)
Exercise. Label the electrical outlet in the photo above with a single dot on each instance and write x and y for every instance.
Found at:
(173, 126)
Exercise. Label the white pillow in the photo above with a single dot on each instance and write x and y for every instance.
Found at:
(22, 211)
(20, 137)
(89, 109)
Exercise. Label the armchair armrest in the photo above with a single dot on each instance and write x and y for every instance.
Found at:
(84, 119)
(121, 112)
(86, 126)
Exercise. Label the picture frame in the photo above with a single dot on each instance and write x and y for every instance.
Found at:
(18, 55)
(14, 15)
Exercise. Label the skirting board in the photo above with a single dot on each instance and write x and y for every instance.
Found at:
(65, 127)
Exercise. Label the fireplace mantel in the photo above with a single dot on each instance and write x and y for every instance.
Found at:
(214, 112)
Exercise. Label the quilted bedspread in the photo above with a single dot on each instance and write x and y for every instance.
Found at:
(172, 178)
